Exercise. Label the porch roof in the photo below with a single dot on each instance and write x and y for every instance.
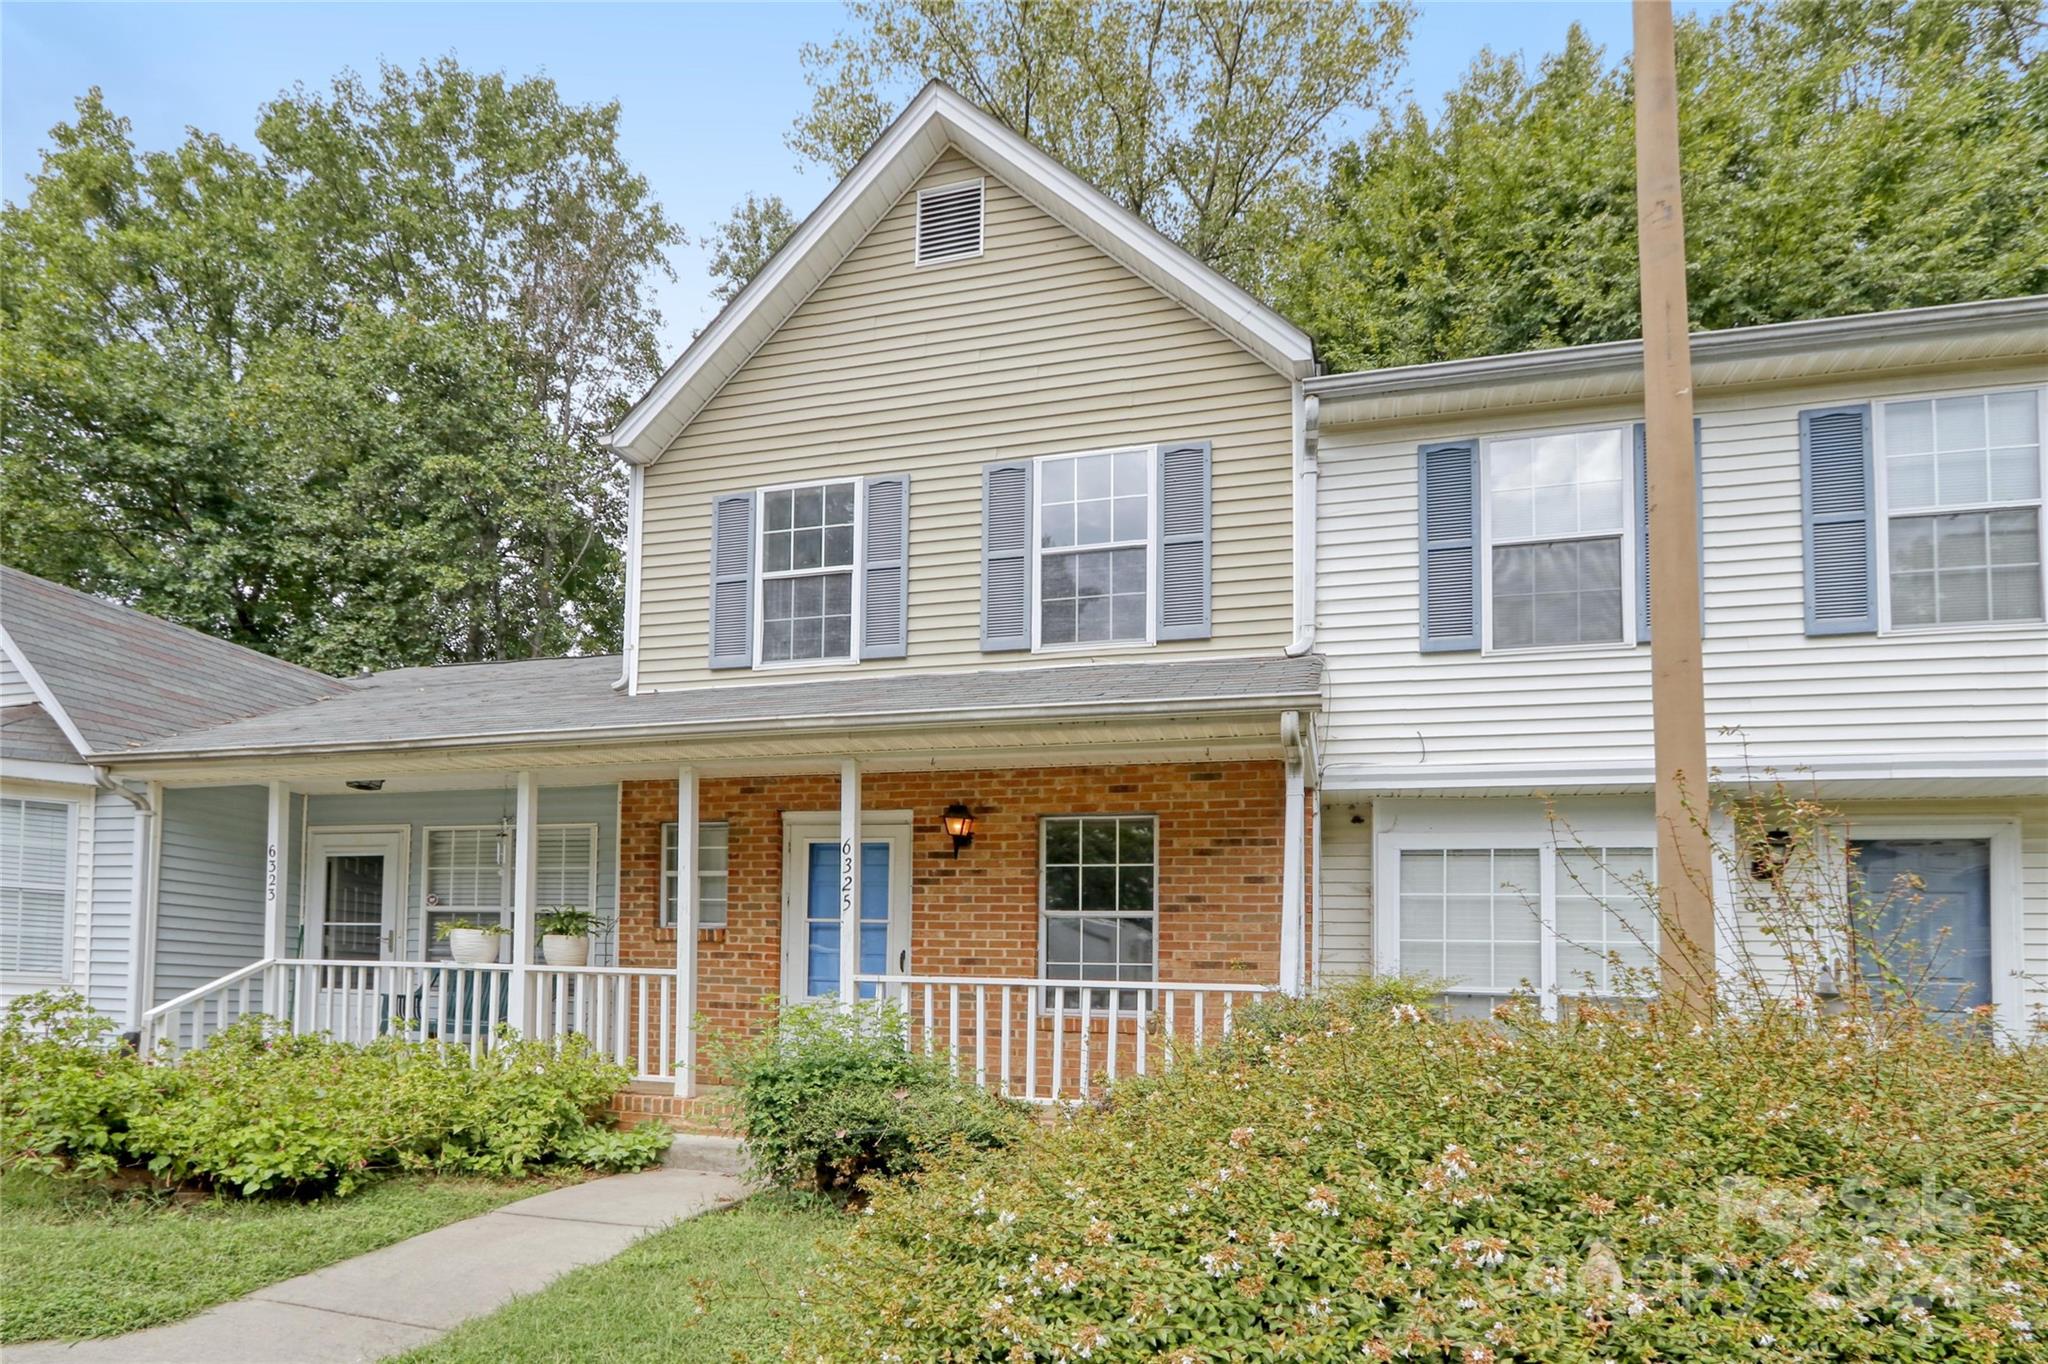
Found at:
(571, 699)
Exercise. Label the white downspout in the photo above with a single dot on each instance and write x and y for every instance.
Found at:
(1292, 880)
(629, 633)
(1307, 413)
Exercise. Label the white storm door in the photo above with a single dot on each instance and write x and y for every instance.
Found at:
(355, 884)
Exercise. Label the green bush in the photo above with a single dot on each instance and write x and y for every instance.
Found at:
(1351, 1178)
(829, 1096)
(256, 1111)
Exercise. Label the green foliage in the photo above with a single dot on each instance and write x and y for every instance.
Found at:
(67, 1089)
(829, 1096)
(742, 244)
(1204, 118)
(567, 921)
(490, 928)
(1840, 156)
(1350, 1178)
(256, 1111)
(340, 398)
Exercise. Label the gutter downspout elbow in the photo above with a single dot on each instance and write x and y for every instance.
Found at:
(1307, 437)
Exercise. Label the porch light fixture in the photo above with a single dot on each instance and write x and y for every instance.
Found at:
(1767, 860)
(376, 784)
(959, 821)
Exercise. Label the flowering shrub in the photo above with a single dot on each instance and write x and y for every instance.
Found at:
(829, 1096)
(254, 1111)
(1351, 1178)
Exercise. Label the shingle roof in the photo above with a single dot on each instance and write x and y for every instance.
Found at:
(557, 698)
(29, 735)
(123, 678)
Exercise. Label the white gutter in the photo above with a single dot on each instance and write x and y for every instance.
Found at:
(1307, 413)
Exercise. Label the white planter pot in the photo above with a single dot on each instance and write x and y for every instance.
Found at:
(561, 949)
(472, 944)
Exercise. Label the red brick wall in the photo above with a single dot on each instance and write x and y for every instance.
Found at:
(1220, 834)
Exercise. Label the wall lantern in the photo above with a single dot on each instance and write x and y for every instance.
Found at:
(1771, 853)
(959, 822)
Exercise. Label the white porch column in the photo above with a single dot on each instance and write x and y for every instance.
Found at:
(525, 889)
(278, 839)
(849, 879)
(1292, 900)
(686, 931)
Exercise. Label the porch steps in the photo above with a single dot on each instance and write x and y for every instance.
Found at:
(714, 1111)
(706, 1154)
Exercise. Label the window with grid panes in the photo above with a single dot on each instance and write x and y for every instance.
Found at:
(1099, 893)
(1962, 502)
(712, 841)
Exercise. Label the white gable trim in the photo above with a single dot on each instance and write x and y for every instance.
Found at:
(44, 695)
(939, 117)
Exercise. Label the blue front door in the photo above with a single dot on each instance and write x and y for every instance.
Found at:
(1926, 917)
(821, 917)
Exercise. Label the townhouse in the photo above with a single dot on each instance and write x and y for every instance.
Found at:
(1018, 627)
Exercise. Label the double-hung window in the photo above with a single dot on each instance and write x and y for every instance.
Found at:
(35, 887)
(1960, 481)
(713, 840)
(1490, 919)
(1094, 519)
(1557, 534)
(468, 874)
(809, 546)
(1099, 897)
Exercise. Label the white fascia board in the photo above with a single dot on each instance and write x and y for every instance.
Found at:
(937, 117)
(55, 774)
(44, 695)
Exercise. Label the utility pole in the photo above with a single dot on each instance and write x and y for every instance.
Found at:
(1685, 897)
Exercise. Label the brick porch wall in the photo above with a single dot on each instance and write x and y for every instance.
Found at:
(1220, 832)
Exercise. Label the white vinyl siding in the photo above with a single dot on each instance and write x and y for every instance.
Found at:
(14, 688)
(1774, 695)
(1045, 345)
(1343, 908)
(713, 842)
(1959, 481)
(37, 866)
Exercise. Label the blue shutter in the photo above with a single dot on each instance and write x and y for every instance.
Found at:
(885, 564)
(1449, 517)
(1838, 502)
(1643, 528)
(1183, 609)
(732, 581)
(1005, 556)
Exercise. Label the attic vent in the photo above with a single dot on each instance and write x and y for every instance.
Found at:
(949, 223)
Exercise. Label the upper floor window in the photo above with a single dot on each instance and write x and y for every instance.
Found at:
(1960, 499)
(1557, 531)
(1094, 548)
(808, 549)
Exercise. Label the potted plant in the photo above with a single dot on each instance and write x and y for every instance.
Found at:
(565, 935)
(469, 940)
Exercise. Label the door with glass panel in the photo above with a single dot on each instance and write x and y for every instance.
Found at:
(811, 935)
(1924, 920)
(352, 896)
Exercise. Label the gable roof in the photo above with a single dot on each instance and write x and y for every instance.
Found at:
(940, 117)
(111, 677)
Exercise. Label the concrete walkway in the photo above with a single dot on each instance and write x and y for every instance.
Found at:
(407, 1294)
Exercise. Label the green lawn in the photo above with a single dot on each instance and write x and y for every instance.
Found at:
(720, 1287)
(77, 1262)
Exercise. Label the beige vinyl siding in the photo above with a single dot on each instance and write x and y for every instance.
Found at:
(1786, 699)
(1041, 345)
(1346, 892)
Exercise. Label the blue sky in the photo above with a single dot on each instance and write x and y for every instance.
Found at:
(707, 89)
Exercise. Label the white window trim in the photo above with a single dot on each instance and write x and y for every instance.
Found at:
(1882, 502)
(1547, 843)
(2008, 948)
(1044, 821)
(762, 576)
(917, 260)
(21, 982)
(1629, 606)
(665, 913)
(1038, 552)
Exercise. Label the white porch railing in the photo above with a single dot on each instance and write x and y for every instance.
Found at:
(1032, 1038)
(627, 1013)
(1047, 1040)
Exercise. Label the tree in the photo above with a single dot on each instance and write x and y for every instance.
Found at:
(1840, 156)
(342, 398)
(1205, 117)
(742, 244)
